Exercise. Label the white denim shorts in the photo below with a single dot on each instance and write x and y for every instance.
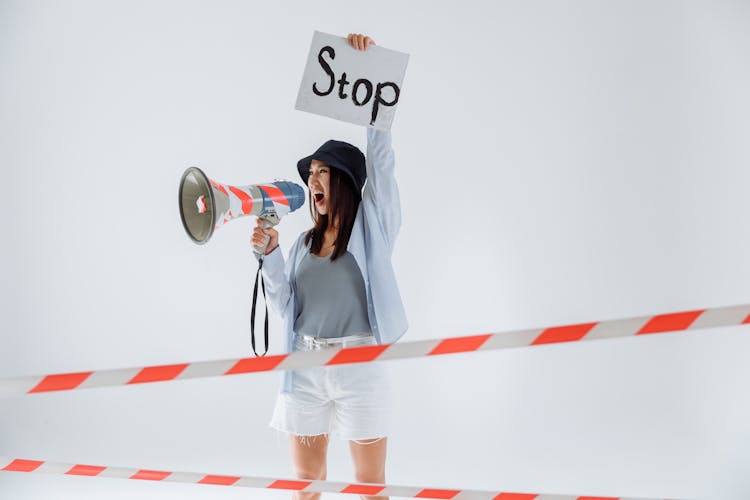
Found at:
(347, 401)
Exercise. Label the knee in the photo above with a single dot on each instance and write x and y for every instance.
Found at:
(370, 475)
(309, 457)
(310, 471)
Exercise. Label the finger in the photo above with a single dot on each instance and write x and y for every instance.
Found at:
(368, 41)
(360, 42)
(350, 39)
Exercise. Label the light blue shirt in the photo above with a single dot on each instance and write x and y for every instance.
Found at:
(376, 226)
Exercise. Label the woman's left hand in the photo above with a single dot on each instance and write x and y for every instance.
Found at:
(360, 41)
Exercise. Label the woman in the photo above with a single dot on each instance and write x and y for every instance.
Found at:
(337, 289)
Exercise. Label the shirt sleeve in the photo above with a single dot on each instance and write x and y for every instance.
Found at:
(278, 288)
(380, 195)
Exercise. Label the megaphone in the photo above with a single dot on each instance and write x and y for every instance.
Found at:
(206, 205)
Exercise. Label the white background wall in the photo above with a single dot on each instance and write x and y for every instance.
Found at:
(559, 162)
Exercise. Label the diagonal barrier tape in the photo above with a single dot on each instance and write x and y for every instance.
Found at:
(45, 467)
(643, 325)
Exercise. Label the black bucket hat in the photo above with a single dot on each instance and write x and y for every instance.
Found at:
(340, 155)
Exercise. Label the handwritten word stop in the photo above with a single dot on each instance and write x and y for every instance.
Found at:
(360, 87)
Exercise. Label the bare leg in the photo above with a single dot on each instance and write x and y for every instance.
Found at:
(369, 462)
(309, 461)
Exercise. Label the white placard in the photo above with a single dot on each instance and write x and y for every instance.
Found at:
(355, 86)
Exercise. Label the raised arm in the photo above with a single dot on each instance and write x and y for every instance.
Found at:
(380, 196)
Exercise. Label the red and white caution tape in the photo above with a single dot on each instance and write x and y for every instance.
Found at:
(662, 323)
(37, 466)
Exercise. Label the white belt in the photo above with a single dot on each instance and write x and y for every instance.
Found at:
(311, 343)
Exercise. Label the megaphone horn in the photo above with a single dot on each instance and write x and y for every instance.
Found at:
(206, 205)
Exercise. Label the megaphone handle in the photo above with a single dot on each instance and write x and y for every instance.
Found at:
(261, 251)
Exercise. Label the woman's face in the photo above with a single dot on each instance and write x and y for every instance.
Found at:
(318, 183)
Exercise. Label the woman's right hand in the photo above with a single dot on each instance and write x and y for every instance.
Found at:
(360, 41)
(259, 237)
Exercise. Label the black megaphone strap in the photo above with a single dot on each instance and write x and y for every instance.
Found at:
(259, 275)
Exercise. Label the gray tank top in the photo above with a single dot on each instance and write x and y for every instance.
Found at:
(331, 298)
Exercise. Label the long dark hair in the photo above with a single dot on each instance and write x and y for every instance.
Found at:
(343, 202)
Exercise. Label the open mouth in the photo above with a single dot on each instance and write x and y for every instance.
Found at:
(318, 197)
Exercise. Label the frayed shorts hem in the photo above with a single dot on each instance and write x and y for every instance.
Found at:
(337, 435)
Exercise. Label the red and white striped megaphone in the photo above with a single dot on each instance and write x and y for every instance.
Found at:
(206, 205)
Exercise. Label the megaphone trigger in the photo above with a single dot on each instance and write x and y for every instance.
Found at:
(267, 221)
